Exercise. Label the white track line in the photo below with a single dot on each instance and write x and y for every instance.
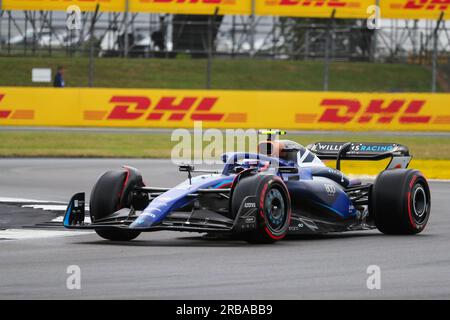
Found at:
(38, 204)
(46, 207)
(50, 207)
(20, 200)
(24, 234)
(61, 219)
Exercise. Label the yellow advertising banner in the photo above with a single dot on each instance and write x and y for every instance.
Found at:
(315, 8)
(83, 107)
(192, 6)
(147, 6)
(62, 5)
(414, 9)
(397, 9)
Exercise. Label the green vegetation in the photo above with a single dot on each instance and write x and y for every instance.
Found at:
(242, 74)
(159, 145)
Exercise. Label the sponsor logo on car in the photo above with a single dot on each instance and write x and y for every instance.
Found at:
(372, 148)
(331, 189)
(152, 212)
(351, 209)
(250, 205)
(250, 220)
(334, 147)
(333, 171)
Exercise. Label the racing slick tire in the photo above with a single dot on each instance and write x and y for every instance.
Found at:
(273, 207)
(401, 202)
(108, 196)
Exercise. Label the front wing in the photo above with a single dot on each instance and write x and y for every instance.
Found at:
(193, 221)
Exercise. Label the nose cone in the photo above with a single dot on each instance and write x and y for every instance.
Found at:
(148, 218)
(140, 223)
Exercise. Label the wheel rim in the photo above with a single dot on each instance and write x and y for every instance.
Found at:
(275, 210)
(420, 204)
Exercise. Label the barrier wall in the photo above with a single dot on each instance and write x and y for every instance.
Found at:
(415, 9)
(146, 6)
(404, 9)
(224, 109)
(316, 9)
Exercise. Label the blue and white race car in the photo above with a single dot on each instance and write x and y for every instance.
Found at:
(261, 197)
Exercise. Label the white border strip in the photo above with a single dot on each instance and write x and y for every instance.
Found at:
(21, 200)
(25, 234)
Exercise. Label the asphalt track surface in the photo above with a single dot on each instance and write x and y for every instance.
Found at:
(188, 266)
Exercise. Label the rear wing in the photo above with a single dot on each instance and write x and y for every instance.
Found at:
(399, 154)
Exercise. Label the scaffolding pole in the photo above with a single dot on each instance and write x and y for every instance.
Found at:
(252, 28)
(373, 50)
(9, 32)
(435, 53)
(91, 49)
(326, 71)
(1, 16)
(125, 21)
(211, 25)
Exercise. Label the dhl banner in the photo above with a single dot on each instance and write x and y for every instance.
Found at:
(146, 6)
(62, 5)
(315, 8)
(84, 107)
(415, 9)
(402, 9)
(243, 7)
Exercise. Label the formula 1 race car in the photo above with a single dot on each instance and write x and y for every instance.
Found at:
(261, 197)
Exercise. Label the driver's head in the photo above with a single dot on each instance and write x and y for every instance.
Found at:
(271, 149)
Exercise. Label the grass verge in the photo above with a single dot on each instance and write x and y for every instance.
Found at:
(243, 74)
(159, 145)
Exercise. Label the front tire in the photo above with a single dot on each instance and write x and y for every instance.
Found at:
(273, 204)
(401, 202)
(106, 198)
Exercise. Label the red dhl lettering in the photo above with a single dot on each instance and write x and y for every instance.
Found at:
(4, 113)
(378, 111)
(214, 2)
(309, 3)
(427, 4)
(176, 109)
(19, 114)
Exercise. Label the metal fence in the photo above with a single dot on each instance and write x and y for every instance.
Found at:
(32, 33)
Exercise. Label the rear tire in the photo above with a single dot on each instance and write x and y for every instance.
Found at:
(106, 198)
(401, 202)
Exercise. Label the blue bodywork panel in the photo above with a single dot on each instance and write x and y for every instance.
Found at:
(176, 198)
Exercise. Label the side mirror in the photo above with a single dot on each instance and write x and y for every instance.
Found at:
(238, 169)
(186, 168)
